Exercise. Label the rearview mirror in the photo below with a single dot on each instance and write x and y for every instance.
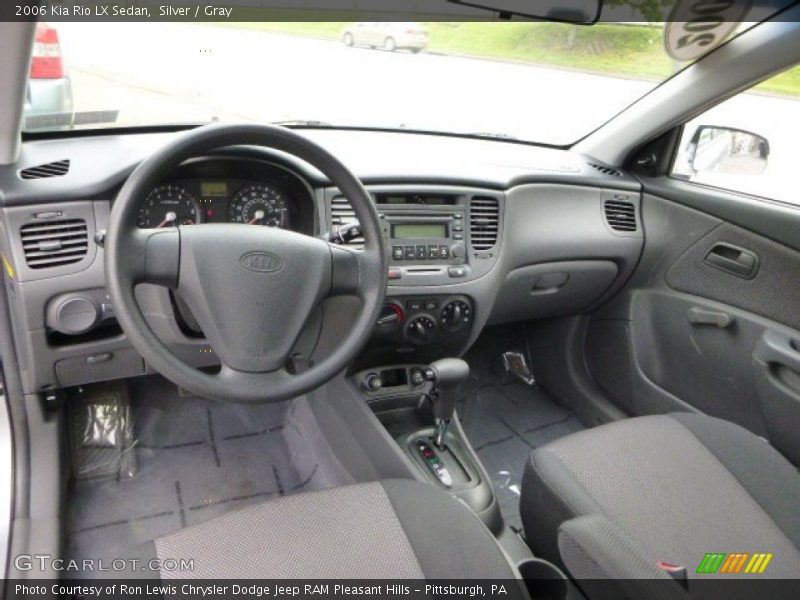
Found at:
(585, 12)
(727, 150)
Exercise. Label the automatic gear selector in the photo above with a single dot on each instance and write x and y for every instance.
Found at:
(447, 376)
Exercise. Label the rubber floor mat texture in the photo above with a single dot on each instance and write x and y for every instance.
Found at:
(505, 419)
(197, 459)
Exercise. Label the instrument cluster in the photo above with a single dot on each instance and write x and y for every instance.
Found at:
(230, 189)
(193, 201)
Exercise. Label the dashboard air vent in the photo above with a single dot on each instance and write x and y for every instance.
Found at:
(606, 170)
(620, 216)
(53, 169)
(55, 243)
(342, 212)
(484, 219)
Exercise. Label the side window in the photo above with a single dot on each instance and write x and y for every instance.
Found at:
(749, 143)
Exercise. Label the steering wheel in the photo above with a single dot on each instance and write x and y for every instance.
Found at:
(251, 289)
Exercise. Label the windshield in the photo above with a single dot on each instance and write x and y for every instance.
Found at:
(543, 82)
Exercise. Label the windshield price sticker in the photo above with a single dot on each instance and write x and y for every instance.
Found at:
(696, 27)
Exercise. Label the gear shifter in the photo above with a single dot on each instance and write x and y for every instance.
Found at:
(447, 376)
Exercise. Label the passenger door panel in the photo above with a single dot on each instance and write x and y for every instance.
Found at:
(708, 366)
(772, 289)
(710, 321)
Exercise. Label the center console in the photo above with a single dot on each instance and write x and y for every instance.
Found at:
(413, 407)
(440, 240)
(416, 405)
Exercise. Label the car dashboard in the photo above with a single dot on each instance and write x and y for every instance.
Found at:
(477, 232)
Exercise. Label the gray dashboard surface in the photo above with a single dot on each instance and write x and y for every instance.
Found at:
(98, 164)
(555, 249)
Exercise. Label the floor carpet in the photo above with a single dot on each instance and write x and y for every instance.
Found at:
(195, 459)
(505, 419)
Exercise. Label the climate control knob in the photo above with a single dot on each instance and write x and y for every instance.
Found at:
(456, 315)
(420, 329)
(391, 318)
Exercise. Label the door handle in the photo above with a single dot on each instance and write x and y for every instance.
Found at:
(733, 259)
(703, 316)
(778, 349)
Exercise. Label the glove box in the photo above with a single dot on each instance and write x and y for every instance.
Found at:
(552, 289)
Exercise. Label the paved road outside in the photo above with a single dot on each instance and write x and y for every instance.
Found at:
(172, 72)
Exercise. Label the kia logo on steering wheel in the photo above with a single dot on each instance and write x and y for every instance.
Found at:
(263, 262)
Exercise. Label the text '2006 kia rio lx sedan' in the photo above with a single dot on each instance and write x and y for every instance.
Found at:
(516, 316)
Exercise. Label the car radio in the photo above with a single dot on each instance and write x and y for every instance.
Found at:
(425, 237)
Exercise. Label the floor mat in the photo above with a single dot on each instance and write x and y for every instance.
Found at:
(505, 419)
(196, 459)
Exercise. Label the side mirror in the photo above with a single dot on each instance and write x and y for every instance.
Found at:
(726, 150)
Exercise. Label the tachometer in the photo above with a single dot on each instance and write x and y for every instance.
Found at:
(168, 206)
(260, 205)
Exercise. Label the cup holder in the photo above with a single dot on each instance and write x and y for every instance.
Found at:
(543, 580)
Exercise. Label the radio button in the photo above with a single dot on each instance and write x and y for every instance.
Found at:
(397, 252)
(458, 236)
(422, 252)
(433, 251)
(458, 228)
(410, 252)
(444, 252)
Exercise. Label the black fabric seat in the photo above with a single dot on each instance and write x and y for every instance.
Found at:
(619, 500)
(388, 529)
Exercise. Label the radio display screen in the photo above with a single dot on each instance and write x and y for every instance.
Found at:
(404, 231)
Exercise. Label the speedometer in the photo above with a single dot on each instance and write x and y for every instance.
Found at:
(168, 206)
(260, 205)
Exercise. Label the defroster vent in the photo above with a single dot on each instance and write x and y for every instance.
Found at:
(606, 170)
(53, 169)
(55, 243)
